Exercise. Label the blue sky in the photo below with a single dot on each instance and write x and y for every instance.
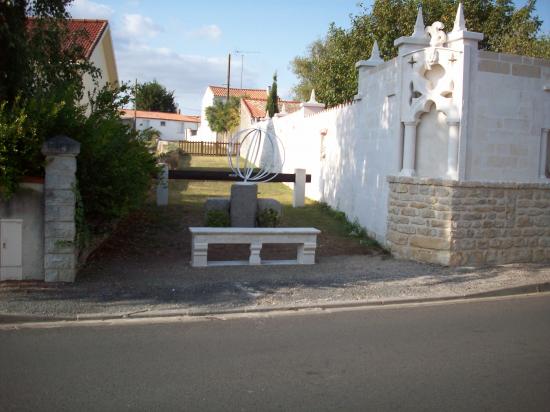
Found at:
(184, 44)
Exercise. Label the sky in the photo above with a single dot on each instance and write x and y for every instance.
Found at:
(184, 44)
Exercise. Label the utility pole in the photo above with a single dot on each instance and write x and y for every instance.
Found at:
(228, 74)
(135, 105)
(242, 53)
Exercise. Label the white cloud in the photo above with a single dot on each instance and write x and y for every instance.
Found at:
(210, 31)
(138, 25)
(86, 9)
(188, 75)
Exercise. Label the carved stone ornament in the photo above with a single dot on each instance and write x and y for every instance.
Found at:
(432, 57)
(437, 36)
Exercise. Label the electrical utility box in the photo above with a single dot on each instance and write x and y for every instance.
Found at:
(11, 249)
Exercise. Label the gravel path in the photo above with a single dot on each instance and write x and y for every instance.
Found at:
(122, 286)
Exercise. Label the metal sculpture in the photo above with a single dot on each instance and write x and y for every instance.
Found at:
(247, 153)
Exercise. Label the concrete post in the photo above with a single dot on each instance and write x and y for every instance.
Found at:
(452, 150)
(162, 185)
(59, 209)
(299, 199)
(409, 149)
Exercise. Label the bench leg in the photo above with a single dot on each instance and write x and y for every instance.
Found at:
(255, 249)
(306, 254)
(199, 255)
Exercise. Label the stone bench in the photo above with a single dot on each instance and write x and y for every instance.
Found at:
(306, 238)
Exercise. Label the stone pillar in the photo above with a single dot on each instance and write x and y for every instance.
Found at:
(409, 149)
(299, 198)
(244, 203)
(452, 150)
(162, 185)
(59, 209)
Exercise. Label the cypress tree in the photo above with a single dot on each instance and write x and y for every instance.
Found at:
(272, 105)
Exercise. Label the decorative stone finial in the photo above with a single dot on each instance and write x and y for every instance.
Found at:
(283, 108)
(459, 20)
(437, 36)
(375, 55)
(419, 24)
(312, 97)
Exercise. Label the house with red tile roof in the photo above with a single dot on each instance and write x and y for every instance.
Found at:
(219, 93)
(171, 126)
(98, 48)
(94, 37)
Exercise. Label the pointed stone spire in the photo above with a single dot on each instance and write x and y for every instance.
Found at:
(459, 20)
(312, 97)
(375, 54)
(419, 28)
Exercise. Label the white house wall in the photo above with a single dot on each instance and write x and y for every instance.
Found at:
(172, 129)
(205, 133)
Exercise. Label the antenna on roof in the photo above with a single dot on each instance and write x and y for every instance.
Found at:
(242, 53)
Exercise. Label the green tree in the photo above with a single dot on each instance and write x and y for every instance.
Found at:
(154, 97)
(223, 117)
(272, 105)
(328, 65)
(40, 90)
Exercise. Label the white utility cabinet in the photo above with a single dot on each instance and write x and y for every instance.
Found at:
(11, 249)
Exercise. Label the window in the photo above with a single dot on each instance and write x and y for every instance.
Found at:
(162, 123)
(193, 132)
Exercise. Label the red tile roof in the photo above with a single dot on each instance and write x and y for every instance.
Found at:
(93, 30)
(220, 91)
(142, 114)
(256, 107)
(86, 32)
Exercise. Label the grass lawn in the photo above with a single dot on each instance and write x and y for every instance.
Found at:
(336, 230)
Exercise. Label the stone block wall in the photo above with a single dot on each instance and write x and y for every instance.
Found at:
(468, 223)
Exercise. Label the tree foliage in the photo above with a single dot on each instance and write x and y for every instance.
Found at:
(154, 97)
(272, 105)
(40, 90)
(223, 117)
(329, 64)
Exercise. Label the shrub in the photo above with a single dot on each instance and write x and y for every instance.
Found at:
(217, 218)
(268, 218)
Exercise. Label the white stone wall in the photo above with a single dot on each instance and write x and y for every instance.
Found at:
(508, 111)
(348, 150)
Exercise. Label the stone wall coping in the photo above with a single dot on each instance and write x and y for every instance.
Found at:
(60, 145)
(254, 230)
(469, 184)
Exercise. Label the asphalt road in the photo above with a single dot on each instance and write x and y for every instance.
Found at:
(491, 355)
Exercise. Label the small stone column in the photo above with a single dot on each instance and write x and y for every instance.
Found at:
(162, 185)
(452, 150)
(59, 200)
(299, 198)
(409, 149)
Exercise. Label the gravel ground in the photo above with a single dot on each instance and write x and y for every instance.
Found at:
(123, 286)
